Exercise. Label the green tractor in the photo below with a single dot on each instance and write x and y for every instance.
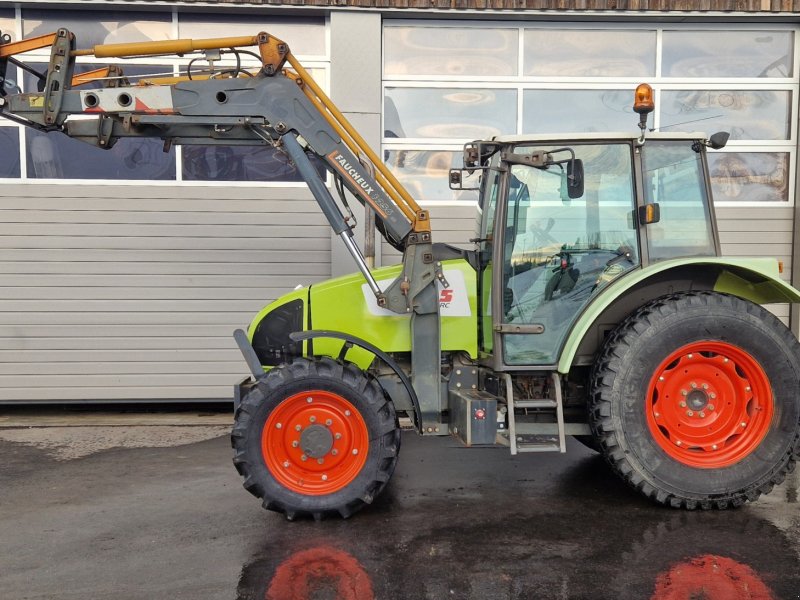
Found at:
(595, 302)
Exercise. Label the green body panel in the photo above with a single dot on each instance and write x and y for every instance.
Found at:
(754, 279)
(341, 304)
(298, 294)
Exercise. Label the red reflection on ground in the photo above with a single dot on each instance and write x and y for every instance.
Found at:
(323, 569)
(710, 577)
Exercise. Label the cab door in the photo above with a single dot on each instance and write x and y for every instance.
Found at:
(556, 253)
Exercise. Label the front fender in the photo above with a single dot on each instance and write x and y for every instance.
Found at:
(755, 279)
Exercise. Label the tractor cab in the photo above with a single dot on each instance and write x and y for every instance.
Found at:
(560, 220)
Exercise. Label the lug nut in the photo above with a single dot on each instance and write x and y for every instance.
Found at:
(295, 444)
(689, 413)
(702, 415)
(334, 452)
(683, 404)
(710, 407)
(324, 477)
(347, 413)
(309, 399)
(328, 422)
(693, 384)
(355, 451)
(297, 428)
(303, 458)
(312, 419)
(278, 425)
(286, 464)
(684, 393)
(320, 461)
(705, 386)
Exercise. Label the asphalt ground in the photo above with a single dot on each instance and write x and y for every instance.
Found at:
(105, 508)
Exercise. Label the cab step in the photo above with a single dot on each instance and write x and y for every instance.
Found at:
(520, 442)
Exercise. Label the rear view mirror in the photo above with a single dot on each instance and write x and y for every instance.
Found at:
(575, 178)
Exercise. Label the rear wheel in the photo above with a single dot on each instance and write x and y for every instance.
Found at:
(695, 400)
(315, 437)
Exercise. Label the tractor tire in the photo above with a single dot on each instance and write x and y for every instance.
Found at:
(315, 437)
(695, 401)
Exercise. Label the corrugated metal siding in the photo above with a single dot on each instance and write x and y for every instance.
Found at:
(132, 292)
(762, 231)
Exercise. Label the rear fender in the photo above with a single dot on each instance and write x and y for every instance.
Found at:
(755, 279)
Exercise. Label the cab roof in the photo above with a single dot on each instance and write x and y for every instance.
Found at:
(610, 136)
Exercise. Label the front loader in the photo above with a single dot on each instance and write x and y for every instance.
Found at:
(595, 302)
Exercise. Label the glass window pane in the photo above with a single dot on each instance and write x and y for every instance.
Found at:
(454, 51)
(11, 81)
(746, 114)
(240, 163)
(576, 111)
(99, 27)
(449, 113)
(304, 36)
(749, 176)
(728, 54)
(673, 174)
(7, 23)
(55, 156)
(9, 152)
(586, 53)
(424, 173)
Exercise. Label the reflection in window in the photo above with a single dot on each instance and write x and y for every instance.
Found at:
(749, 176)
(9, 152)
(450, 51)
(728, 54)
(240, 163)
(304, 36)
(746, 114)
(588, 53)
(577, 111)
(99, 26)
(450, 113)
(55, 156)
(424, 173)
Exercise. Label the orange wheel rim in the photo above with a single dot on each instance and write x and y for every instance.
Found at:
(315, 443)
(709, 404)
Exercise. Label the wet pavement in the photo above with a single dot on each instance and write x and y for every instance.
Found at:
(174, 522)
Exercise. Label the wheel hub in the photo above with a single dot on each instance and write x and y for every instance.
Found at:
(697, 399)
(316, 441)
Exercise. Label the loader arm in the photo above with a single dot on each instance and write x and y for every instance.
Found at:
(278, 105)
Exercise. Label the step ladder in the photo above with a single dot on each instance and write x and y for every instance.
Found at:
(516, 445)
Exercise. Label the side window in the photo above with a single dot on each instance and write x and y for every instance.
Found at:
(673, 177)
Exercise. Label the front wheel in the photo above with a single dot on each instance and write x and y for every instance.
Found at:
(315, 437)
(695, 400)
